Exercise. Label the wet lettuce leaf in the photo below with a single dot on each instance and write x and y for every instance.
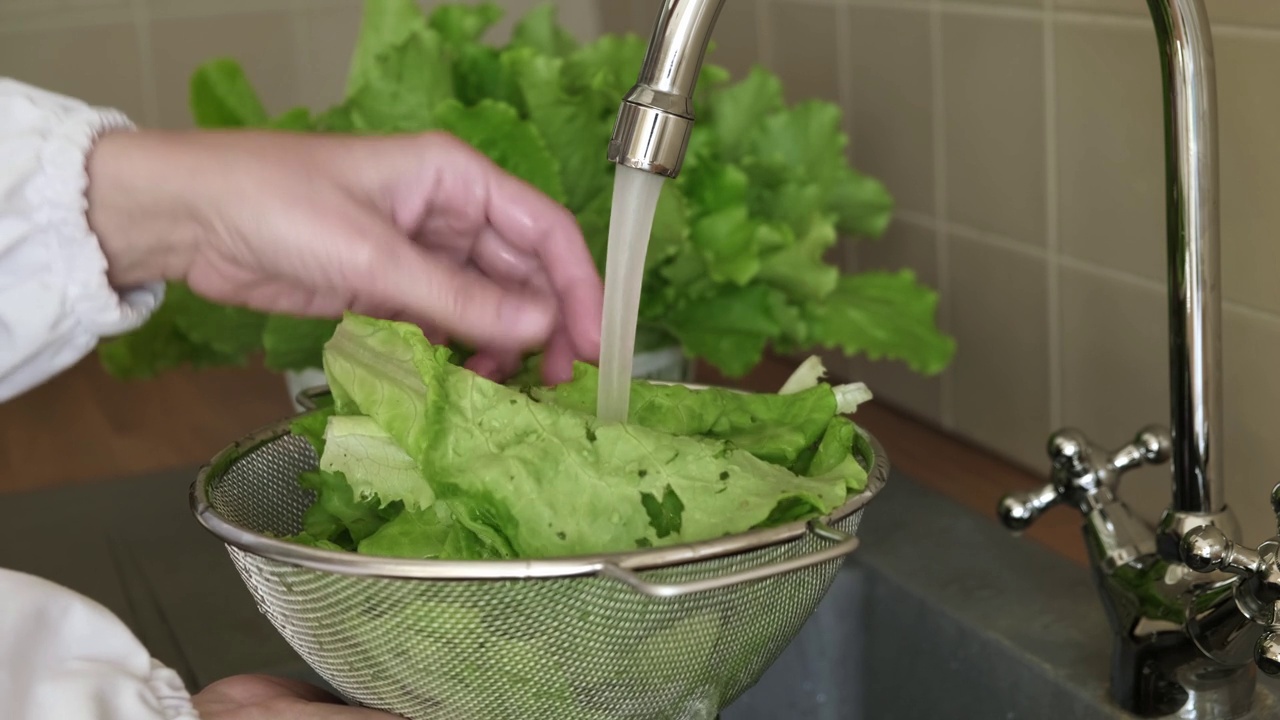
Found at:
(436, 461)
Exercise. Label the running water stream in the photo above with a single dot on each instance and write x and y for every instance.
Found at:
(635, 199)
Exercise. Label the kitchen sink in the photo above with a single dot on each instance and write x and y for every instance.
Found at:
(941, 614)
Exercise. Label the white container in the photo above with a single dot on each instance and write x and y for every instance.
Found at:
(665, 364)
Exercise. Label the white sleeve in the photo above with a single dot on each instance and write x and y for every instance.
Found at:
(55, 300)
(65, 657)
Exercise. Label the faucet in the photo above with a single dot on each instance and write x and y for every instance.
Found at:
(1193, 615)
(652, 129)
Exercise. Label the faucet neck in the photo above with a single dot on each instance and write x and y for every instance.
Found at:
(1195, 307)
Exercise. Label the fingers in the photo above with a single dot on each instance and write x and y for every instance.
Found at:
(557, 362)
(384, 269)
(495, 366)
(534, 224)
(498, 259)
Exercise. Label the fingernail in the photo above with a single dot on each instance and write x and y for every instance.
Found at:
(526, 317)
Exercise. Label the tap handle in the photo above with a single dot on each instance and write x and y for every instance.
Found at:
(1266, 653)
(1080, 470)
(1152, 445)
(1275, 504)
(1018, 510)
(1207, 549)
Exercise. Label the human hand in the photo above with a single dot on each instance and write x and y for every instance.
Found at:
(260, 697)
(420, 228)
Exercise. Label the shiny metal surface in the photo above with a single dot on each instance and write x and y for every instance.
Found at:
(265, 450)
(1257, 592)
(1185, 630)
(656, 116)
(1195, 303)
(675, 632)
(1182, 646)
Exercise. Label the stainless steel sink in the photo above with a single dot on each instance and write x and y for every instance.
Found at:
(942, 615)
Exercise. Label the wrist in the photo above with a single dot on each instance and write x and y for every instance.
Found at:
(139, 206)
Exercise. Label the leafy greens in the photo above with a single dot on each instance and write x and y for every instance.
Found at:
(422, 458)
(736, 260)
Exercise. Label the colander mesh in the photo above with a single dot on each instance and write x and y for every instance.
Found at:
(586, 648)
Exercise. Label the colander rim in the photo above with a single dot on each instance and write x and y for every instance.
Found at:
(354, 564)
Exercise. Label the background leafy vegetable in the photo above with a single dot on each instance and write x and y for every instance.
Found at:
(736, 262)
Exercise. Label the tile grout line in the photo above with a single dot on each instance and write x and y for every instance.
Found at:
(764, 38)
(844, 74)
(301, 48)
(1052, 240)
(844, 85)
(1155, 286)
(142, 28)
(946, 385)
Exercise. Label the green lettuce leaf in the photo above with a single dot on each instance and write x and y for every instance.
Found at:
(295, 343)
(499, 457)
(775, 428)
(496, 130)
(882, 315)
(402, 86)
(372, 463)
(384, 25)
(431, 533)
(222, 96)
(740, 258)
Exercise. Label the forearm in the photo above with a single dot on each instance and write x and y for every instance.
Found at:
(139, 206)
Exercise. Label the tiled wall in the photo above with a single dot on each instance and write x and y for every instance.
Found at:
(1022, 139)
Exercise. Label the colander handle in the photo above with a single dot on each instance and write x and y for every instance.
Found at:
(842, 544)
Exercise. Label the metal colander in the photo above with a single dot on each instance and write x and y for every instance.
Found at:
(661, 634)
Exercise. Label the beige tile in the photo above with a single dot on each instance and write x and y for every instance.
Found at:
(905, 245)
(997, 298)
(1249, 138)
(892, 102)
(207, 8)
(805, 57)
(1015, 3)
(1234, 12)
(1110, 147)
(618, 16)
(1251, 396)
(1115, 377)
(263, 44)
(328, 36)
(98, 64)
(737, 45)
(993, 84)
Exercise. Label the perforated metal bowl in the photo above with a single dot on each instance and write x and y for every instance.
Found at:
(674, 633)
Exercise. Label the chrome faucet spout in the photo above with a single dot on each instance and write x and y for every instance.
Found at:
(1195, 304)
(656, 117)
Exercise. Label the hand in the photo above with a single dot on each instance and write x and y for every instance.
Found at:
(259, 697)
(420, 228)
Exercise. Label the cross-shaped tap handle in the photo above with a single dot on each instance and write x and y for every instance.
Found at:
(1207, 549)
(1082, 470)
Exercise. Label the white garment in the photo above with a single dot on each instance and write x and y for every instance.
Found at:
(55, 301)
(62, 656)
